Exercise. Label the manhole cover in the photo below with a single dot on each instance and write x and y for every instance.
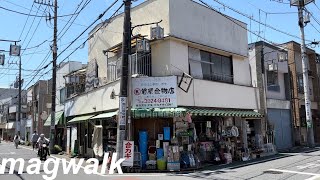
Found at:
(272, 172)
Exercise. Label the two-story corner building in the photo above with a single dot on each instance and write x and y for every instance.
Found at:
(61, 92)
(298, 108)
(39, 104)
(220, 98)
(269, 67)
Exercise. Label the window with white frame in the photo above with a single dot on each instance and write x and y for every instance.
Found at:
(209, 66)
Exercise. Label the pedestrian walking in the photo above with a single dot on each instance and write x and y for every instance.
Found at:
(16, 140)
(34, 139)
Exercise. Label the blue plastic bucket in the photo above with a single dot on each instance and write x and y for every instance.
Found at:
(166, 133)
(144, 159)
(160, 153)
(143, 136)
(143, 147)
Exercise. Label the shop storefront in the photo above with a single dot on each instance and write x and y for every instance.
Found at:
(82, 138)
(182, 138)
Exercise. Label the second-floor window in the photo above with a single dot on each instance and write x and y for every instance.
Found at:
(62, 95)
(272, 81)
(209, 66)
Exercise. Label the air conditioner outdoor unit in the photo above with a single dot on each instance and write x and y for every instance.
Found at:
(157, 32)
(143, 46)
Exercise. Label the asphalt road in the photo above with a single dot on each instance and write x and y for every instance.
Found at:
(295, 166)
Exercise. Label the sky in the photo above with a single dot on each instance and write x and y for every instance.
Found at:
(36, 33)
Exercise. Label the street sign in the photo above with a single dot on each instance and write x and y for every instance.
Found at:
(154, 92)
(2, 58)
(15, 50)
(128, 153)
(122, 111)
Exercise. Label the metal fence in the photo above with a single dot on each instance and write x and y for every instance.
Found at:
(140, 64)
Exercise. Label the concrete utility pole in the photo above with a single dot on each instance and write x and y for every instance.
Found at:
(301, 4)
(122, 121)
(54, 69)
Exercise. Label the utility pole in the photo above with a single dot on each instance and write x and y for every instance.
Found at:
(310, 136)
(54, 69)
(121, 127)
(54, 74)
(15, 50)
(19, 101)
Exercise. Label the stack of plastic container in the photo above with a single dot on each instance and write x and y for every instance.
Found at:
(143, 147)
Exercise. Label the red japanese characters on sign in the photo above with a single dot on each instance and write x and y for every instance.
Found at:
(128, 153)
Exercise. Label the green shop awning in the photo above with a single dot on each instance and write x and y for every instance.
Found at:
(223, 112)
(157, 112)
(58, 118)
(80, 119)
(105, 115)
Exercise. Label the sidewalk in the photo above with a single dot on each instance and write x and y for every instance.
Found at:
(212, 167)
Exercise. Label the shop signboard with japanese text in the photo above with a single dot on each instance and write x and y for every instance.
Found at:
(128, 153)
(154, 92)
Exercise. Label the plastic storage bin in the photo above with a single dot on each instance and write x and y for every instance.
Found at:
(161, 164)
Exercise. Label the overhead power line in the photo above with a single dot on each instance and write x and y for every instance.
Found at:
(115, 13)
(84, 6)
(98, 18)
(257, 21)
(33, 15)
(243, 27)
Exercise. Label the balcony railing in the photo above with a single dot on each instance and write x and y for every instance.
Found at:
(140, 64)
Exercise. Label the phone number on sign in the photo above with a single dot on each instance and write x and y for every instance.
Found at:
(158, 100)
